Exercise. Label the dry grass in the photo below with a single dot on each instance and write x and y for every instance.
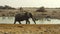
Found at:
(54, 13)
(29, 29)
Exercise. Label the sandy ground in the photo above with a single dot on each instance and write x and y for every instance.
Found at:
(29, 29)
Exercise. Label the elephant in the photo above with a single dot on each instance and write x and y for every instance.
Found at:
(24, 16)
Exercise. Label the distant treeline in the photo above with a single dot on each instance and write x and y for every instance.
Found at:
(6, 7)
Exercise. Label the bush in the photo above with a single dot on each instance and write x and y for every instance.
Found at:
(41, 9)
(6, 7)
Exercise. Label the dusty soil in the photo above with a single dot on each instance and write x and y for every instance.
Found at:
(29, 29)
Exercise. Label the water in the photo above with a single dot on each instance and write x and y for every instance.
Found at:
(10, 20)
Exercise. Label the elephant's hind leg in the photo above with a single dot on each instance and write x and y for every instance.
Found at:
(14, 22)
(27, 21)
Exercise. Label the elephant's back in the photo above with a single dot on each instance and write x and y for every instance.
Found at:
(19, 15)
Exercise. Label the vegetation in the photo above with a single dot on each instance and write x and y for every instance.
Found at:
(36, 12)
(20, 8)
(41, 9)
(6, 7)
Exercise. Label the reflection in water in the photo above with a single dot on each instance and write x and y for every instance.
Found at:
(10, 20)
(10, 17)
(3, 17)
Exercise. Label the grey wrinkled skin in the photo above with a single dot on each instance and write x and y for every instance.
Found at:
(23, 16)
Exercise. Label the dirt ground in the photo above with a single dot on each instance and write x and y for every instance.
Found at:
(29, 29)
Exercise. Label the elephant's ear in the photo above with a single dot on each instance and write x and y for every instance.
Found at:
(31, 15)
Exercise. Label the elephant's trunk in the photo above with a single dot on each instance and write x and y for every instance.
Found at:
(34, 20)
